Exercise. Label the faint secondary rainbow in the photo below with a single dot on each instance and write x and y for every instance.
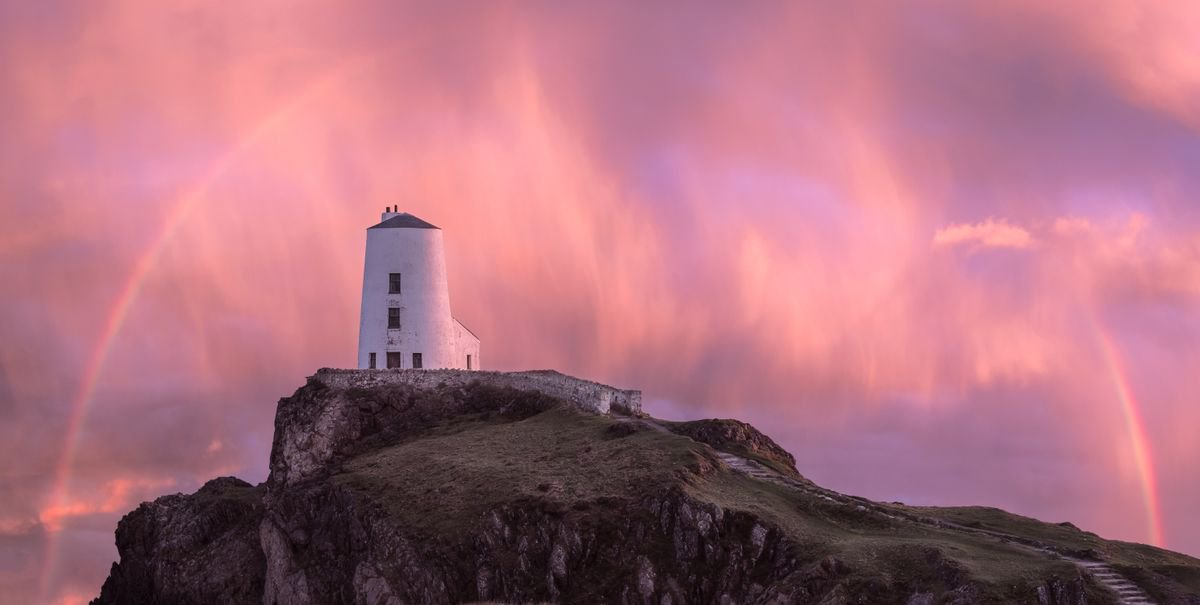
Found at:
(180, 208)
(1135, 428)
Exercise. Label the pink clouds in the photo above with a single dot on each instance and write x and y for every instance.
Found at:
(867, 226)
(118, 496)
(1151, 50)
(988, 234)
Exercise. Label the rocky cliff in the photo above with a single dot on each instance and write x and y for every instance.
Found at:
(390, 487)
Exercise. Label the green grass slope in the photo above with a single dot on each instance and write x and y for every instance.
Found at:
(444, 479)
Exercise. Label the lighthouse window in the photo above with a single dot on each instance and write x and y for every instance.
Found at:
(393, 318)
(393, 283)
(416, 361)
(468, 362)
(371, 365)
(393, 359)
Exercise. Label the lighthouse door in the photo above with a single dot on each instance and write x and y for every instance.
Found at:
(393, 359)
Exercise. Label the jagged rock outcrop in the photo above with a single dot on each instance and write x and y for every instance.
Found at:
(200, 549)
(740, 438)
(530, 551)
(388, 488)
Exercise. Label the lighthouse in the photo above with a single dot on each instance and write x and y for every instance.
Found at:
(405, 320)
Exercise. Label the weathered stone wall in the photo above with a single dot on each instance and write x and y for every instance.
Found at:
(591, 396)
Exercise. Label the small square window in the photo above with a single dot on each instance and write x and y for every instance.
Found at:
(393, 359)
(393, 283)
(393, 318)
(371, 363)
(416, 361)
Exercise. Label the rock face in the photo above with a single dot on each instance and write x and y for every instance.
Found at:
(201, 548)
(391, 488)
(737, 437)
(527, 551)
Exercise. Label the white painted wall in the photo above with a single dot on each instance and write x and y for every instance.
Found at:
(466, 344)
(426, 325)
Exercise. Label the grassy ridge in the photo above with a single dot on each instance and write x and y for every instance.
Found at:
(443, 481)
(1168, 576)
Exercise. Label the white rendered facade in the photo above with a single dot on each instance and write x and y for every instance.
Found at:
(405, 320)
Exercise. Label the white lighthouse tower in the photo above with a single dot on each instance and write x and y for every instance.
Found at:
(405, 320)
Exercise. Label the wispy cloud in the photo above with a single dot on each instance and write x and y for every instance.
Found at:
(990, 233)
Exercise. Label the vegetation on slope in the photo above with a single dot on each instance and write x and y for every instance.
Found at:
(444, 481)
(1167, 576)
(574, 464)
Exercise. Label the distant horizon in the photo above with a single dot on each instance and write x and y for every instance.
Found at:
(942, 254)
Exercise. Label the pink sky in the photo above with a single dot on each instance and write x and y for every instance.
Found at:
(945, 254)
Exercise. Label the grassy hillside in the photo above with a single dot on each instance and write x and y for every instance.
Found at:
(442, 481)
(585, 465)
(1167, 576)
(385, 491)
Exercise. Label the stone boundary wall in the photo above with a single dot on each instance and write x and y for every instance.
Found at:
(591, 396)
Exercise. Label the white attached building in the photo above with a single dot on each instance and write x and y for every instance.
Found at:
(406, 321)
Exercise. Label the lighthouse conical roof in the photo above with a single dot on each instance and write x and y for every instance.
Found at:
(404, 220)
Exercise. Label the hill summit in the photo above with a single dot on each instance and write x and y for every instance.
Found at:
(390, 487)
